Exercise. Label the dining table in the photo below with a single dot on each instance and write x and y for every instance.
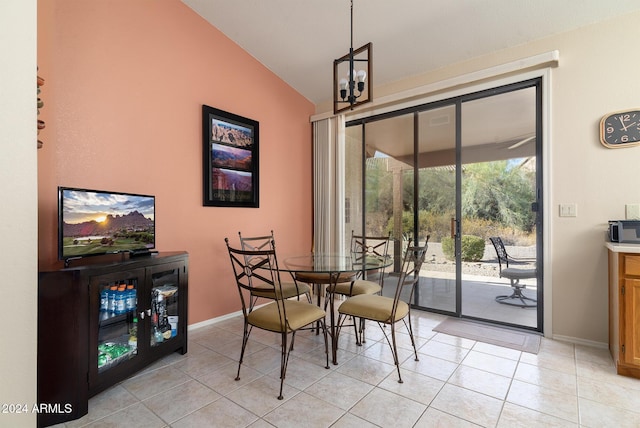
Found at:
(336, 267)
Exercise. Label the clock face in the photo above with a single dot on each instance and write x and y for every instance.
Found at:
(620, 129)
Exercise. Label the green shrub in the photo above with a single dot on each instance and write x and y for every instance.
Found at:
(447, 247)
(472, 248)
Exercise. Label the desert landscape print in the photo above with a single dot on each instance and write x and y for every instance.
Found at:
(230, 185)
(223, 156)
(228, 133)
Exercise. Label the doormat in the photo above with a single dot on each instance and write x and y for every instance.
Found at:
(521, 341)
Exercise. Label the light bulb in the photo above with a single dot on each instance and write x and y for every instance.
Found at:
(362, 75)
(343, 84)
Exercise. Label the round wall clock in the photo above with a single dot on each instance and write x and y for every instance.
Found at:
(620, 129)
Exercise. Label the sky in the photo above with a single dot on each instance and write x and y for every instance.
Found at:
(86, 205)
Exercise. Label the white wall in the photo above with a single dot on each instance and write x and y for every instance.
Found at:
(18, 215)
(597, 74)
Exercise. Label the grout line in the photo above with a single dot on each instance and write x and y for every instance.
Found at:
(310, 345)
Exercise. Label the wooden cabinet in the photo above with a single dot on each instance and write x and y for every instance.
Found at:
(624, 312)
(87, 344)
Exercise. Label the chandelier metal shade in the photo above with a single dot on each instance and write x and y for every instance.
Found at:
(352, 76)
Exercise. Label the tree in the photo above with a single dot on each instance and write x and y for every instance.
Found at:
(499, 191)
(437, 190)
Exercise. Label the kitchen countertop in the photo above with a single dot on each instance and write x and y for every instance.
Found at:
(618, 247)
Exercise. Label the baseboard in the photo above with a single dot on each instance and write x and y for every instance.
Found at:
(213, 321)
(578, 341)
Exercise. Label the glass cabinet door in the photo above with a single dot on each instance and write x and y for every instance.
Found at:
(117, 309)
(165, 302)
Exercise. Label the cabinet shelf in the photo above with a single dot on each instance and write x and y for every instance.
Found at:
(107, 319)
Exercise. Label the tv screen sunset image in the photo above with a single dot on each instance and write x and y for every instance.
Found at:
(102, 222)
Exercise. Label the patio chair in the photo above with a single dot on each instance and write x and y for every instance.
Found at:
(386, 310)
(289, 289)
(514, 275)
(283, 316)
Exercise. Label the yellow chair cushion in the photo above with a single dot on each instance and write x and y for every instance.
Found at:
(325, 278)
(360, 286)
(288, 290)
(299, 314)
(373, 307)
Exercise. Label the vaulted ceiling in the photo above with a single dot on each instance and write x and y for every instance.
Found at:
(299, 39)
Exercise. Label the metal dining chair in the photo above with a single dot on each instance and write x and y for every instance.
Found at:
(387, 311)
(283, 316)
(355, 283)
(362, 248)
(289, 288)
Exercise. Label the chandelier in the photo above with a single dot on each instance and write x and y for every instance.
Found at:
(352, 76)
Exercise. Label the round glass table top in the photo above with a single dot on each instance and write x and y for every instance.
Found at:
(332, 263)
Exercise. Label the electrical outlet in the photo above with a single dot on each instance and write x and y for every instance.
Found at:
(632, 211)
(568, 210)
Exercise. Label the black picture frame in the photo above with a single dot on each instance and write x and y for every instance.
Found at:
(230, 159)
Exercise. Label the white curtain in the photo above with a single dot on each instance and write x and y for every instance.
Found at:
(328, 184)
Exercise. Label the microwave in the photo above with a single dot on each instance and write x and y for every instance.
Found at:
(624, 231)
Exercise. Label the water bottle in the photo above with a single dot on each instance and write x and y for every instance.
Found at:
(113, 291)
(121, 301)
(157, 335)
(131, 298)
(104, 299)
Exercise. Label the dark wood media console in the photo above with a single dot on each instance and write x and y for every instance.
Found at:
(87, 344)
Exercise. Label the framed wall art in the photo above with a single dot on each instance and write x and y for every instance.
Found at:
(230, 159)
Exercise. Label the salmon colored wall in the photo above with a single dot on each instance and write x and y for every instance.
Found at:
(125, 82)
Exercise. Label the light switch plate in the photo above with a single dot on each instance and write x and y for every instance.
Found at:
(632, 211)
(568, 210)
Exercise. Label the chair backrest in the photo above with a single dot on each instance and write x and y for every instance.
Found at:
(256, 276)
(503, 257)
(410, 274)
(255, 243)
(370, 246)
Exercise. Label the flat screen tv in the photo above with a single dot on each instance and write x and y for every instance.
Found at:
(97, 222)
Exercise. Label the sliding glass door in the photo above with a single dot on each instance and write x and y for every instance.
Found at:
(459, 171)
(499, 199)
(436, 205)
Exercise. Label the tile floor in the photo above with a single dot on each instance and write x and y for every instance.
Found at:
(456, 383)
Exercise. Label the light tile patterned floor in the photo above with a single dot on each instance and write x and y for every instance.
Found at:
(456, 383)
